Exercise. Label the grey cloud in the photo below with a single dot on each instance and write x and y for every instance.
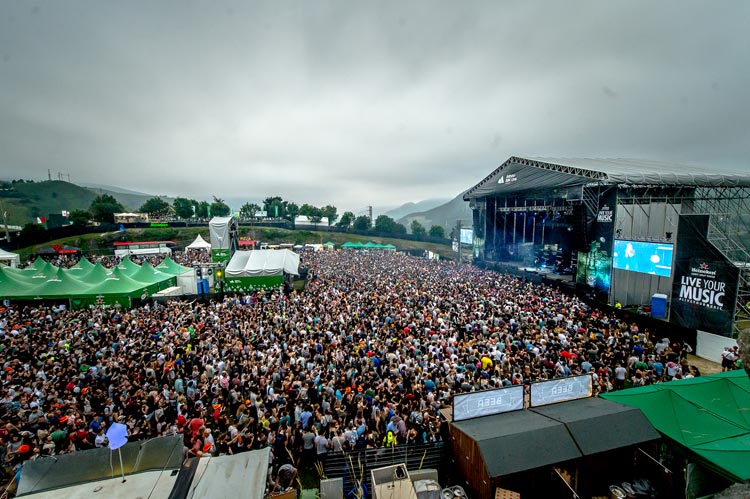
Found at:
(382, 103)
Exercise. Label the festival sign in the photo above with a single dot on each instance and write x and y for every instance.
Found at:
(487, 402)
(704, 290)
(561, 390)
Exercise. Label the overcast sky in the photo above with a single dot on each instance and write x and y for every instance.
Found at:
(363, 103)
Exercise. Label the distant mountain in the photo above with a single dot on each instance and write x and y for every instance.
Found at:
(445, 215)
(112, 189)
(131, 200)
(408, 208)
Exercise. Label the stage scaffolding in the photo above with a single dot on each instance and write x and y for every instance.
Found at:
(650, 197)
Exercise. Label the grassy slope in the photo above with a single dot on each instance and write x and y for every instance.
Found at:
(27, 201)
(101, 244)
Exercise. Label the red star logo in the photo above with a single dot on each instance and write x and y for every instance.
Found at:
(704, 266)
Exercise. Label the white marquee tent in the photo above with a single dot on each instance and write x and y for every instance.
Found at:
(198, 244)
(10, 259)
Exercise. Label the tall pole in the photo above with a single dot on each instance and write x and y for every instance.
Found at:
(458, 237)
(369, 213)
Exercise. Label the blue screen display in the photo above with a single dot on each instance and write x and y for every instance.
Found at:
(639, 256)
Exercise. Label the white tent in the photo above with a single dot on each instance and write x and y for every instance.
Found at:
(261, 263)
(11, 259)
(199, 243)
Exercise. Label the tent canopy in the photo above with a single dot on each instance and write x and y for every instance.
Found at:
(261, 263)
(220, 232)
(12, 259)
(708, 415)
(198, 244)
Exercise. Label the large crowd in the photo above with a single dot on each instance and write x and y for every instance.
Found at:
(364, 357)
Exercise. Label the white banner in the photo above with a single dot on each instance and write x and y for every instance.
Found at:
(487, 402)
(560, 390)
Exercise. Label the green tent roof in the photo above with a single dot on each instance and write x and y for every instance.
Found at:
(12, 285)
(329, 243)
(149, 275)
(128, 267)
(58, 286)
(389, 246)
(169, 266)
(117, 284)
(708, 415)
(81, 268)
(94, 276)
(358, 244)
(348, 244)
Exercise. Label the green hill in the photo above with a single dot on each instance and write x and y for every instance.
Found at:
(25, 201)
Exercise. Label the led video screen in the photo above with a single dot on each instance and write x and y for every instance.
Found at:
(644, 257)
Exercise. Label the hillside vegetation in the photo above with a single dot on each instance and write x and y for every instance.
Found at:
(25, 201)
(102, 244)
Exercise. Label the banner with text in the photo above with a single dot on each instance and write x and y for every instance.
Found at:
(561, 390)
(487, 402)
(704, 291)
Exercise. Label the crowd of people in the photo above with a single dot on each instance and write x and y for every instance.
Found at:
(187, 258)
(364, 357)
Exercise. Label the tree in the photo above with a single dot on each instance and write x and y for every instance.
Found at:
(219, 208)
(104, 207)
(384, 223)
(418, 229)
(437, 231)
(274, 206)
(79, 218)
(331, 213)
(201, 209)
(399, 229)
(347, 219)
(292, 210)
(362, 222)
(184, 208)
(308, 210)
(248, 210)
(155, 207)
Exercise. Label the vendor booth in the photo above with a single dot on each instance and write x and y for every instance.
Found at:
(9, 259)
(577, 448)
(260, 269)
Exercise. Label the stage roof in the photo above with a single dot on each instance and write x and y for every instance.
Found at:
(520, 174)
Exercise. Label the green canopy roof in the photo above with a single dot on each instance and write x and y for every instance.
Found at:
(329, 243)
(359, 244)
(128, 267)
(389, 246)
(348, 244)
(117, 284)
(94, 276)
(149, 275)
(58, 286)
(370, 245)
(708, 415)
(169, 266)
(81, 268)
(11, 284)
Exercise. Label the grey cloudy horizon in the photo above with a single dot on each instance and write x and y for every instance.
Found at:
(357, 104)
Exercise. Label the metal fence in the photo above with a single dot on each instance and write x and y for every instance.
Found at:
(356, 465)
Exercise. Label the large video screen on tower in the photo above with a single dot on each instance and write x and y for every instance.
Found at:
(644, 257)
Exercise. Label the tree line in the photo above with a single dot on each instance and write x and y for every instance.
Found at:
(104, 207)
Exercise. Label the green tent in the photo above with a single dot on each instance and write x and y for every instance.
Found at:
(153, 279)
(11, 284)
(58, 286)
(389, 247)
(358, 245)
(81, 268)
(169, 266)
(370, 245)
(128, 267)
(347, 244)
(329, 243)
(707, 415)
(96, 275)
